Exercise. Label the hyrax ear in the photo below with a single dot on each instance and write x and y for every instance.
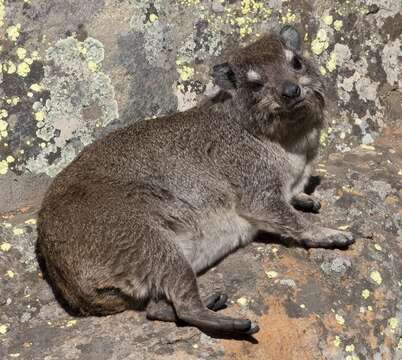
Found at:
(224, 76)
(291, 37)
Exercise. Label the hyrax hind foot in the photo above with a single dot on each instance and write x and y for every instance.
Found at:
(327, 238)
(164, 311)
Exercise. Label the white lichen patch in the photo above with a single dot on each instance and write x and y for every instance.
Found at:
(391, 62)
(75, 81)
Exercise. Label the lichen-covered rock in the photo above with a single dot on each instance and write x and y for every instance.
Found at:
(71, 71)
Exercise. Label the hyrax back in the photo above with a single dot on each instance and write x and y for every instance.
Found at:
(138, 213)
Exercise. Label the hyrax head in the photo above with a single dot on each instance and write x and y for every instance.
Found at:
(272, 78)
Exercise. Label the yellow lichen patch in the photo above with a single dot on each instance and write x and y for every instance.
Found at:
(3, 167)
(289, 17)
(23, 69)
(13, 32)
(343, 227)
(376, 277)
(377, 247)
(189, 2)
(16, 355)
(3, 329)
(320, 43)
(339, 319)
(30, 221)
(2, 12)
(328, 19)
(3, 113)
(365, 293)
(242, 301)
(337, 341)
(35, 87)
(81, 48)
(71, 323)
(323, 137)
(271, 274)
(21, 53)
(10, 159)
(331, 63)
(39, 115)
(185, 72)
(323, 70)
(5, 247)
(9, 67)
(350, 348)
(369, 308)
(338, 25)
(393, 324)
(153, 18)
(399, 347)
(93, 66)
(10, 274)
(14, 100)
(18, 231)
(352, 357)
(35, 55)
(367, 147)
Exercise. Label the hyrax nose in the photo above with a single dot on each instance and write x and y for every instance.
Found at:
(290, 90)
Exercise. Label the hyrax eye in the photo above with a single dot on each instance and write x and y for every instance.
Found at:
(296, 63)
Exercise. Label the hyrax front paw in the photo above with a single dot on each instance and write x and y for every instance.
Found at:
(327, 238)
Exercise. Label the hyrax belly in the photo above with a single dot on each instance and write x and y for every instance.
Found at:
(218, 234)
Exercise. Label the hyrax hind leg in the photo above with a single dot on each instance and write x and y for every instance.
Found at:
(180, 287)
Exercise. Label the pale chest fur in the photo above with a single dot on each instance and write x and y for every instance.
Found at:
(300, 160)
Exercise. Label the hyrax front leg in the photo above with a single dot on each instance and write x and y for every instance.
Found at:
(284, 220)
(306, 203)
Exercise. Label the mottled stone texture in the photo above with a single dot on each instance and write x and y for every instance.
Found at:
(73, 70)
